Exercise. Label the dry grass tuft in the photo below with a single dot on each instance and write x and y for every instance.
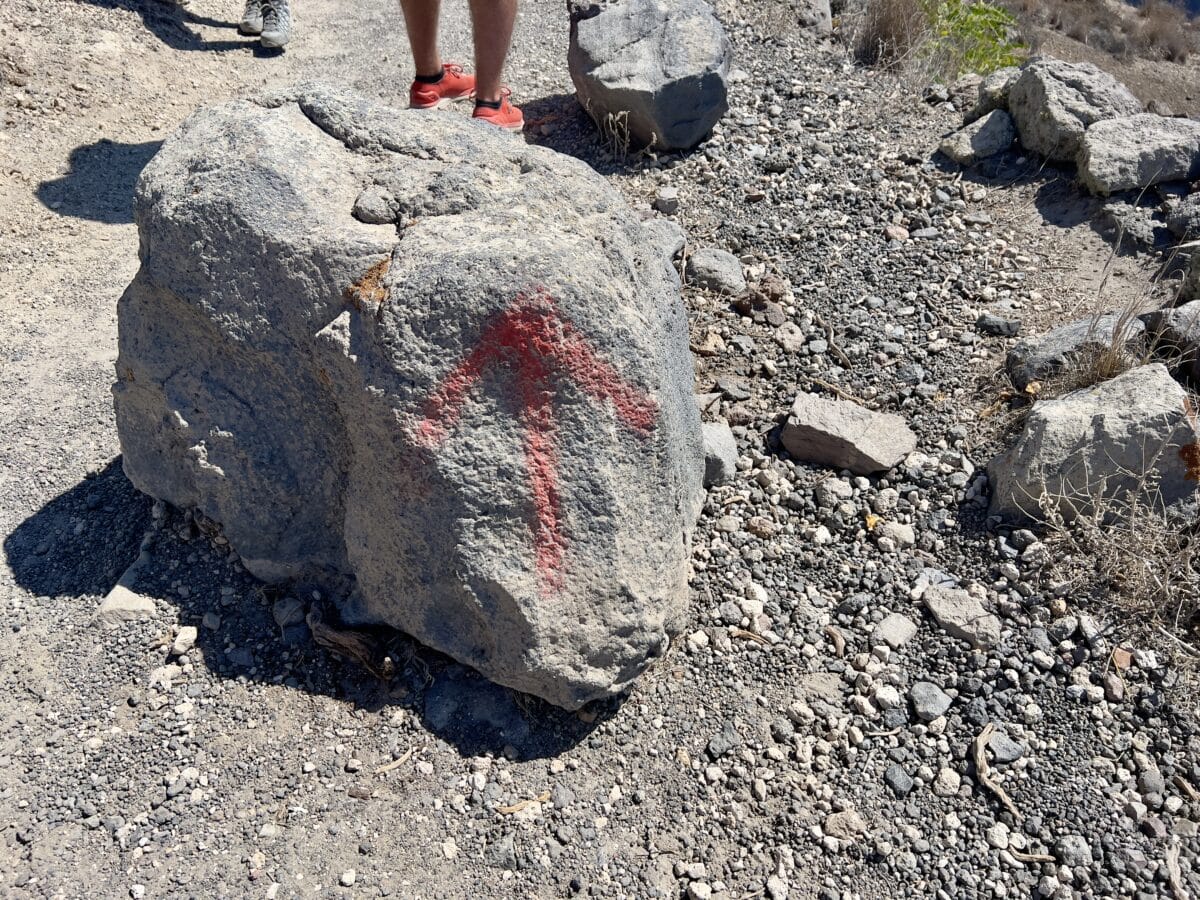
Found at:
(888, 32)
(1158, 29)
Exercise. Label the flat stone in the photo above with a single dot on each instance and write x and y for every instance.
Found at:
(720, 453)
(846, 825)
(844, 435)
(1004, 749)
(984, 137)
(716, 270)
(962, 615)
(1040, 357)
(928, 700)
(895, 630)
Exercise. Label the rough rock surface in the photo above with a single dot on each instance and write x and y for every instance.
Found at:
(491, 434)
(1137, 151)
(653, 68)
(1054, 102)
(1184, 218)
(1040, 357)
(982, 138)
(817, 15)
(1134, 436)
(844, 435)
(962, 615)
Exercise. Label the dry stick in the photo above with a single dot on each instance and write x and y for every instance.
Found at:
(984, 771)
(1174, 876)
(1186, 786)
(749, 636)
(839, 642)
(837, 351)
(1021, 856)
(835, 389)
(396, 763)
(522, 804)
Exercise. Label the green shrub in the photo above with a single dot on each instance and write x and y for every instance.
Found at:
(974, 37)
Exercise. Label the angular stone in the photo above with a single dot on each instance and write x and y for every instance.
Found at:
(650, 70)
(896, 630)
(716, 270)
(1133, 437)
(817, 15)
(720, 453)
(987, 136)
(929, 701)
(486, 428)
(993, 93)
(1134, 152)
(962, 615)
(1038, 358)
(1184, 218)
(185, 640)
(1054, 102)
(846, 825)
(844, 435)
(123, 605)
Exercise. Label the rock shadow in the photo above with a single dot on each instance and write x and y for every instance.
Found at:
(168, 21)
(99, 183)
(81, 542)
(559, 122)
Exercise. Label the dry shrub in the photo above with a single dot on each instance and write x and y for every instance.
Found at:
(889, 31)
(1165, 31)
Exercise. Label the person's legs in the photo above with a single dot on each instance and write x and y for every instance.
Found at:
(421, 20)
(492, 21)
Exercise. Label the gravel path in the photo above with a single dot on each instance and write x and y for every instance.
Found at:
(812, 735)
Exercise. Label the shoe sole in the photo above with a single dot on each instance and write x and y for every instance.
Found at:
(249, 32)
(274, 43)
(514, 128)
(441, 104)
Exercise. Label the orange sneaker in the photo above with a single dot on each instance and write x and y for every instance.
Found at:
(454, 85)
(503, 115)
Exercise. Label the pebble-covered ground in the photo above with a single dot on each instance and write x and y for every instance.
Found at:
(814, 733)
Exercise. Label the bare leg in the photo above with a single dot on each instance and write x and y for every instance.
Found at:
(492, 21)
(421, 20)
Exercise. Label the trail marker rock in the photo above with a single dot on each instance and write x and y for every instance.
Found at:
(473, 422)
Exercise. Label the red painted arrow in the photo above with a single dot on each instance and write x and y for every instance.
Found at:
(537, 344)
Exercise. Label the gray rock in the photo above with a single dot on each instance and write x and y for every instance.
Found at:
(1177, 332)
(724, 741)
(716, 270)
(962, 615)
(1134, 152)
(896, 630)
(1004, 749)
(1098, 448)
(666, 201)
(185, 640)
(993, 93)
(984, 137)
(844, 435)
(928, 700)
(898, 780)
(720, 453)
(667, 236)
(122, 604)
(816, 14)
(989, 323)
(650, 69)
(1190, 289)
(1054, 102)
(1038, 358)
(1073, 850)
(1183, 219)
(1134, 226)
(353, 411)
(846, 825)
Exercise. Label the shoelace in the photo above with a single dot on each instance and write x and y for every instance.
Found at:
(274, 15)
(454, 69)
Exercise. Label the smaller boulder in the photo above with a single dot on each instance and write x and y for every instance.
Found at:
(929, 701)
(720, 453)
(1054, 102)
(1091, 452)
(652, 72)
(1183, 219)
(1037, 358)
(122, 604)
(716, 270)
(1135, 152)
(1177, 331)
(844, 435)
(992, 134)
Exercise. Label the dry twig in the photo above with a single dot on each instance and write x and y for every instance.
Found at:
(984, 771)
(396, 763)
(522, 804)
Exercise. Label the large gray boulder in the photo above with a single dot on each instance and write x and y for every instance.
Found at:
(654, 70)
(1054, 102)
(982, 138)
(844, 435)
(479, 415)
(1137, 151)
(1097, 450)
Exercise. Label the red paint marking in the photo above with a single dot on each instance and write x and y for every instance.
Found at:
(533, 340)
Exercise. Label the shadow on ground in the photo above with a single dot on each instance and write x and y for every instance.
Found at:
(79, 544)
(168, 21)
(99, 183)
